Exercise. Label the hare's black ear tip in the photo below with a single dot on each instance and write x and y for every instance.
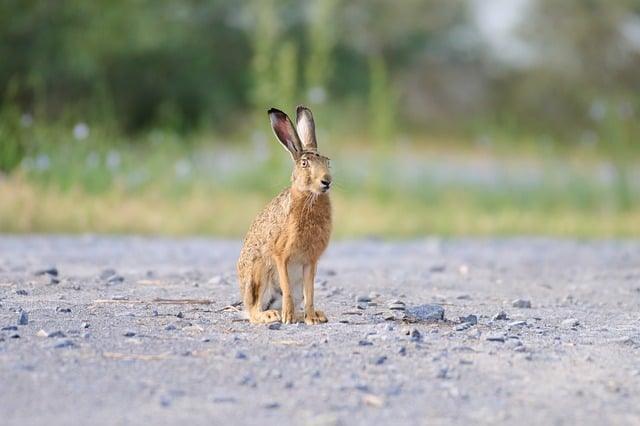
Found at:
(274, 111)
(301, 108)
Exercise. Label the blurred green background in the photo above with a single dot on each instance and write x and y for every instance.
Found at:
(460, 117)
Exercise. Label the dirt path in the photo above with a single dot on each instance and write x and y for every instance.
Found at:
(125, 330)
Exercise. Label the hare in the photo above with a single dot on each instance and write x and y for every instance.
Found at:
(278, 261)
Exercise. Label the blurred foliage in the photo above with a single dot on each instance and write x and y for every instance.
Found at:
(195, 64)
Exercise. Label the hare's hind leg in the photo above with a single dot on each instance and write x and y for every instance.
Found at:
(253, 297)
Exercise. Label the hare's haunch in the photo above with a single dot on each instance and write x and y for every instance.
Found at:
(278, 261)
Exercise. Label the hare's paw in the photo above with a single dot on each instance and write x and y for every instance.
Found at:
(315, 317)
(288, 312)
(266, 317)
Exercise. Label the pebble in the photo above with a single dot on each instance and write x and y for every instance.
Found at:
(365, 343)
(52, 270)
(516, 324)
(63, 310)
(397, 305)
(170, 327)
(363, 298)
(115, 279)
(9, 328)
(415, 335)
(274, 325)
(380, 360)
(22, 292)
(425, 313)
(240, 355)
(106, 273)
(129, 334)
(495, 337)
(521, 303)
(56, 333)
(463, 326)
(469, 319)
(62, 343)
(272, 405)
(570, 323)
(119, 297)
(24, 318)
(500, 316)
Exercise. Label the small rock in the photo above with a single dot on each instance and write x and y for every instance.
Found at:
(63, 310)
(115, 279)
(241, 355)
(170, 327)
(500, 316)
(52, 270)
(365, 343)
(380, 360)
(274, 325)
(9, 328)
(402, 350)
(415, 335)
(521, 303)
(62, 343)
(24, 318)
(362, 306)
(463, 326)
(129, 334)
(495, 337)
(570, 323)
(22, 292)
(442, 373)
(180, 315)
(425, 313)
(85, 325)
(464, 297)
(516, 324)
(218, 399)
(469, 319)
(363, 299)
(119, 297)
(272, 405)
(397, 305)
(106, 273)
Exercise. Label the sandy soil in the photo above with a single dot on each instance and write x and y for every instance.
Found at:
(126, 330)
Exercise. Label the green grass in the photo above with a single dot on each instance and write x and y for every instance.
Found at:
(163, 184)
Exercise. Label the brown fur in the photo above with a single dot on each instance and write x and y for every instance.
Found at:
(278, 261)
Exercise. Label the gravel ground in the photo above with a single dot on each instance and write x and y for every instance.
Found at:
(127, 330)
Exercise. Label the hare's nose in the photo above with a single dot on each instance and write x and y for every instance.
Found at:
(326, 182)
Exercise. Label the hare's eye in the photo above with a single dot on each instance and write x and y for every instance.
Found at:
(304, 162)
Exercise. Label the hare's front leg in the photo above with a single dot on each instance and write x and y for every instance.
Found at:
(311, 316)
(288, 309)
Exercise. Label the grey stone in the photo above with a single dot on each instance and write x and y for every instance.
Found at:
(274, 325)
(363, 298)
(500, 316)
(51, 270)
(521, 303)
(425, 313)
(62, 343)
(23, 319)
(495, 337)
(397, 305)
(469, 319)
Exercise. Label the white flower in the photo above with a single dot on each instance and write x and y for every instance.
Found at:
(80, 131)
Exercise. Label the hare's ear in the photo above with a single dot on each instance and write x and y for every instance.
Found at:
(306, 128)
(285, 132)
